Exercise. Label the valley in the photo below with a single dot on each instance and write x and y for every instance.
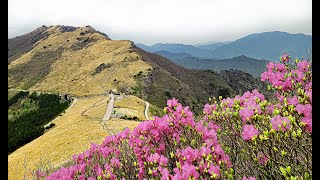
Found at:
(113, 85)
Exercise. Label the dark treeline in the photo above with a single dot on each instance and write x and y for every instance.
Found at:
(15, 98)
(30, 125)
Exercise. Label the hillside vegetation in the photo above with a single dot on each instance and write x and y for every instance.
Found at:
(245, 137)
(87, 64)
(27, 122)
(82, 61)
(246, 64)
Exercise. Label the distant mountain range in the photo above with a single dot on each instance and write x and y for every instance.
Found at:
(250, 65)
(178, 48)
(266, 45)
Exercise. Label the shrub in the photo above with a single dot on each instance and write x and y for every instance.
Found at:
(245, 137)
(269, 139)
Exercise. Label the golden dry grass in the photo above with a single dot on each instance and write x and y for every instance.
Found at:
(132, 102)
(117, 125)
(72, 72)
(12, 92)
(72, 134)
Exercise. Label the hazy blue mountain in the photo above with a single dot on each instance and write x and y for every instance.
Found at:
(267, 45)
(173, 56)
(178, 48)
(212, 46)
(207, 43)
(250, 65)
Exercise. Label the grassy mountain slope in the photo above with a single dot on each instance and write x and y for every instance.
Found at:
(19, 45)
(82, 61)
(191, 87)
(66, 61)
(72, 133)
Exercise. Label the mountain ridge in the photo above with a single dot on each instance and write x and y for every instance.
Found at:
(266, 45)
(82, 61)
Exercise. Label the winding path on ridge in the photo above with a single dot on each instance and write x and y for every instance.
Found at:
(110, 104)
(108, 113)
(146, 111)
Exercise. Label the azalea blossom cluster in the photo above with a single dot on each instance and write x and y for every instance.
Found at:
(268, 136)
(171, 147)
(245, 137)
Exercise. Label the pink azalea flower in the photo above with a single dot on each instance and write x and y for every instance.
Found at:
(172, 102)
(303, 66)
(115, 162)
(164, 173)
(163, 160)
(308, 121)
(189, 170)
(262, 158)
(293, 101)
(264, 76)
(270, 66)
(278, 120)
(297, 75)
(246, 113)
(306, 110)
(248, 132)
(214, 170)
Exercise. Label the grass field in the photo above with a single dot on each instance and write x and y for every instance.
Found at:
(132, 102)
(61, 68)
(73, 132)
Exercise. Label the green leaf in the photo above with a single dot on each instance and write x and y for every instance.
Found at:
(283, 171)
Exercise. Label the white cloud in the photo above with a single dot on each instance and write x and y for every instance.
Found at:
(150, 21)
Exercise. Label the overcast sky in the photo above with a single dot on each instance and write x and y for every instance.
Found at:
(165, 21)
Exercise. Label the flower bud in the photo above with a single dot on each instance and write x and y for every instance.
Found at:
(272, 130)
(283, 171)
(171, 154)
(299, 133)
(306, 175)
(288, 169)
(254, 138)
(294, 134)
(269, 87)
(178, 165)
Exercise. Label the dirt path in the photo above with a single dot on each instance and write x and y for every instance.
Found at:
(146, 111)
(109, 108)
(107, 115)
